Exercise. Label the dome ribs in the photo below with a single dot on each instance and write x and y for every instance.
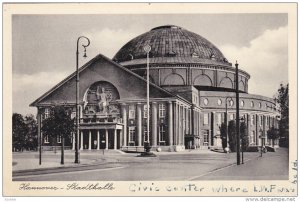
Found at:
(173, 44)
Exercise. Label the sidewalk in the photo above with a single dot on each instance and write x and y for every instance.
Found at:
(30, 160)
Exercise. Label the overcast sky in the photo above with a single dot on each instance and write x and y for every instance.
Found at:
(44, 46)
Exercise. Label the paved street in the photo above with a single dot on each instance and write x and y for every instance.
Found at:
(188, 165)
(273, 165)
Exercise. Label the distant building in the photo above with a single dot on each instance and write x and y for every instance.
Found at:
(191, 85)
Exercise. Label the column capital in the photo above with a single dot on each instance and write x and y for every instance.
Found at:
(123, 104)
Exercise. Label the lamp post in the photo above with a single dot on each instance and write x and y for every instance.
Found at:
(226, 120)
(237, 114)
(77, 96)
(147, 49)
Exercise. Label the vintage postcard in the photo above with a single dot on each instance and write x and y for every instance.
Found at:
(150, 99)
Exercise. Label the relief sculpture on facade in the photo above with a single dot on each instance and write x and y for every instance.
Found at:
(103, 99)
(99, 98)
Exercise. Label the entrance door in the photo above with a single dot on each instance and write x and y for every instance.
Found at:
(188, 142)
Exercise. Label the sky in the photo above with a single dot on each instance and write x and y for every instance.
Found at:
(44, 46)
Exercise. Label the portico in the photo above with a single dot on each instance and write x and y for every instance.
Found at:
(95, 136)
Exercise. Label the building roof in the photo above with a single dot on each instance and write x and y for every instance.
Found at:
(88, 64)
(171, 44)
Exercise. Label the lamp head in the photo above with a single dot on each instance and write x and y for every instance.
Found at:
(147, 48)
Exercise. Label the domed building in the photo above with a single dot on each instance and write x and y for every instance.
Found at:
(192, 92)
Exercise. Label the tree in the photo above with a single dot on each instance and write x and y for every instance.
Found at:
(59, 124)
(282, 98)
(31, 138)
(244, 136)
(273, 134)
(19, 131)
(223, 135)
(232, 135)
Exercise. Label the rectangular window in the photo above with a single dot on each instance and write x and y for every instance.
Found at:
(145, 111)
(162, 133)
(252, 120)
(73, 115)
(145, 134)
(187, 121)
(58, 139)
(131, 134)
(252, 138)
(219, 119)
(205, 119)
(131, 112)
(261, 120)
(162, 110)
(46, 139)
(205, 138)
(46, 113)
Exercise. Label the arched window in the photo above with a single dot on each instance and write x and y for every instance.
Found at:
(241, 86)
(173, 79)
(202, 80)
(226, 83)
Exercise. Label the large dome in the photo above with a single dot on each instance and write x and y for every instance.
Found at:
(170, 44)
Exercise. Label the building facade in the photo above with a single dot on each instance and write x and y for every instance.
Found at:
(191, 92)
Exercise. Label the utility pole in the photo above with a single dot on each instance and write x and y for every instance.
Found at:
(238, 161)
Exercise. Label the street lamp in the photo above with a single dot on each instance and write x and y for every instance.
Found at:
(147, 49)
(237, 114)
(226, 121)
(77, 96)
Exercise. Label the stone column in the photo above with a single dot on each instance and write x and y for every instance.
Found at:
(180, 124)
(187, 121)
(170, 123)
(183, 124)
(115, 139)
(98, 139)
(154, 124)
(177, 123)
(73, 141)
(139, 124)
(121, 139)
(81, 140)
(124, 117)
(106, 139)
(258, 142)
(192, 122)
(183, 115)
(213, 128)
(90, 139)
(264, 128)
(248, 124)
